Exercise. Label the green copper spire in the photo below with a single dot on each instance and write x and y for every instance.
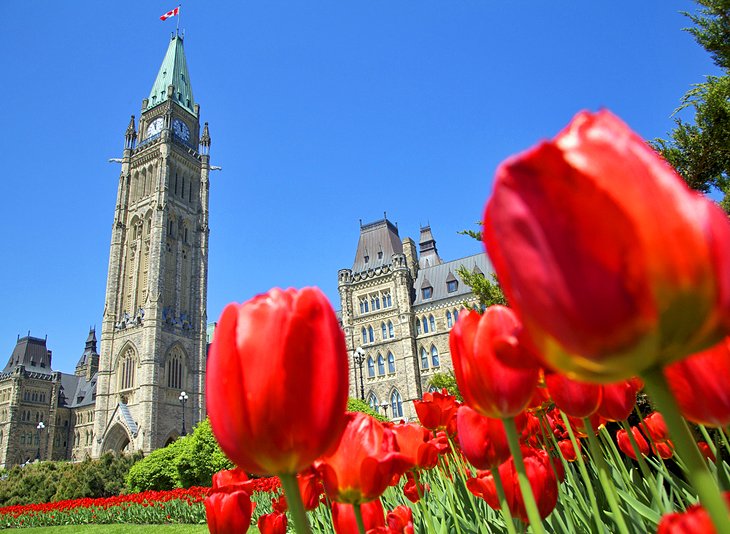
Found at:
(173, 71)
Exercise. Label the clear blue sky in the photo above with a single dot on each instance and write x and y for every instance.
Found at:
(321, 113)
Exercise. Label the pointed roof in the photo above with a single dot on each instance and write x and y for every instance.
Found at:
(429, 256)
(378, 242)
(32, 353)
(173, 71)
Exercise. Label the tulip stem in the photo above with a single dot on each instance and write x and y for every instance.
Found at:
(527, 496)
(584, 473)
(710, 442)
(294, 501)
(358, 518)
(609, 489)
(649, 477)
(697, 471)
(503, 501)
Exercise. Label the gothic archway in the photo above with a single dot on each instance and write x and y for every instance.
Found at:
(117, 439)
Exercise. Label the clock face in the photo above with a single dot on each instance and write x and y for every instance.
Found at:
(154, 128)
(181, 129)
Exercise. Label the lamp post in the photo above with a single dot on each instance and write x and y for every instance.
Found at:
(183, 398)
(385, 409)
(40, 427)
(359, 358)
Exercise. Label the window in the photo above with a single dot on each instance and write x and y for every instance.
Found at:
(175, 361)
(373, 401)
(381, 365)
(449, 320)
(424, 359)
(377, 303)
(427, 292)
(425, 326)
(367, 259)
(390, 329)
(383, 329)
(387, 301)
(391, 363)
(456, 315)
(418, 327)
(371, 367)
(22, 439)
(396, 404)
(452, 286)
(127, 367)
(371, 335)
(380, 254)
(435, 357)
(364, 335)
(432, 323)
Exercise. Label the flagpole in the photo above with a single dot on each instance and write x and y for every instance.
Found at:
(179, 15)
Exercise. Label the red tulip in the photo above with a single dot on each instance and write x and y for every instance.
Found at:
(364, 462)
(709, 373)
(706, 451)
(695, 520)
(310, 488)
(567, 450)
(624, 443)
(400, 520)
(276, 385)
(228, 507)
(413, 442)
(487, 385)
(413, 489)
(576, 399)
(343, 516)
(482, 439)
(436, 409)
(655, 427)
(619, 399)
(613, 264)
(665, 449)
(273, 523)
(542, 481)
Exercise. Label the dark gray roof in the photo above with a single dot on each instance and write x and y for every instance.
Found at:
(436, 276)
(378, 242)
(89, 348)
(427, 253)
(32, 353)
(76, 391)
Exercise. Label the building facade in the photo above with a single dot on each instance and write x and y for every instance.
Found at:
(154, 329)
(398, 305)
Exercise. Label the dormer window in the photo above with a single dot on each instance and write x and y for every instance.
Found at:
(380, 255)
(452, 286)
(367, 259)
(427, 292)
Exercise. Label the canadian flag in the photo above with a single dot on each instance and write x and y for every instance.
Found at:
(171, 13)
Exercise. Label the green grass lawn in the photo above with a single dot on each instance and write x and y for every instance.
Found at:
(119, 529)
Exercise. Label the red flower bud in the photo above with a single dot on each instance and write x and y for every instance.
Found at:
(567, 450)
(489, 386)
(436, 410)
(624, 443)
(576, 399)
(612, 263)
(619, 399)
(482, 439)
(273, 523)
(665, 449)
(655, 427)
(709, 373)
(706, 451)
(343, 516)
(276, 385)
(695, 520)
(228, 512)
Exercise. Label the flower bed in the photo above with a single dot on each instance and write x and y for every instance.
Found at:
(148, 507)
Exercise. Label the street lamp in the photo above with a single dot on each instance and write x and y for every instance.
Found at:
(40, 427)
(359, 359)
(385, 409)
(183, 398)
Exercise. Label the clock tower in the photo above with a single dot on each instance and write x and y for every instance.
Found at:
(153, 340)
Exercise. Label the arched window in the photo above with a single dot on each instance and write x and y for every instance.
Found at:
(373, 401)
(384, 331)
(396, 404)
(371, 367)
(435, 357)
(391, 363)
(418, 326)
(424, 359)
(425, 326)
(381, 365)
(456, 315)
(364, 335)
(432, 323)
(391, 333)
(175, 368)
(127, 365)
(449, 320)
(371, 335)
(377, 303)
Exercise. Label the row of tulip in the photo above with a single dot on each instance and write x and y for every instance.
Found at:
(616, 274)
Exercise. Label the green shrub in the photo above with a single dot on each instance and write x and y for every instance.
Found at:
(357, 405)
(189, 461)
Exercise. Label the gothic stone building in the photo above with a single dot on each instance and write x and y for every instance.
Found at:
(397, 308)
(154, 331)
